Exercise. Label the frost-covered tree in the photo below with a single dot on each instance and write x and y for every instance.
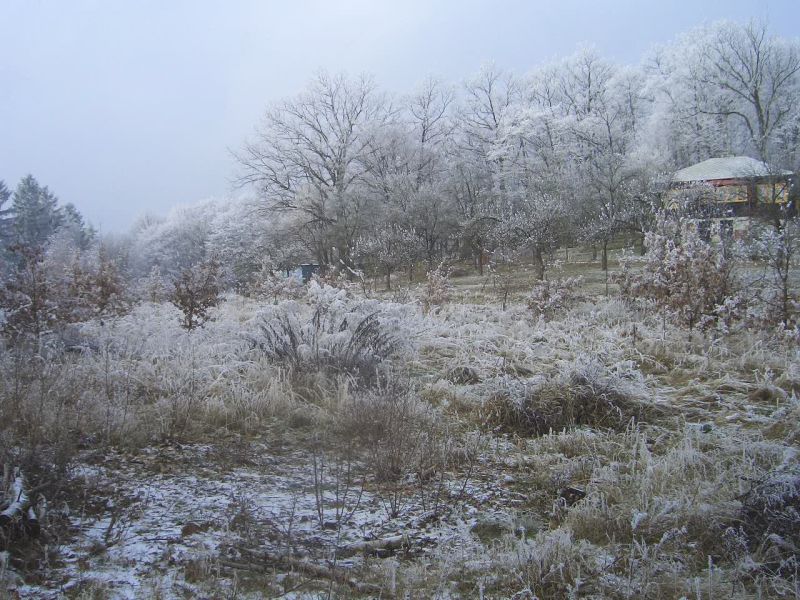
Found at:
(753, 80)
(725, 89)
(105, 290)
(533, 181)
(687, 277)
(175, 243)
(476, 183)
(240, 231)
(30, 299)
(611, 177)
(308, 158)
(778, 250)
(386, 249)
(83, 233)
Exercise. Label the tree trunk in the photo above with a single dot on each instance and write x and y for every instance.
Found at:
(388, 279)
(538, 262)
(604, 257)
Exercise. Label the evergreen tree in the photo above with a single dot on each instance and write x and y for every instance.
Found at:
(83, 234)
(5, 217)
(36, 213)
(6, 225)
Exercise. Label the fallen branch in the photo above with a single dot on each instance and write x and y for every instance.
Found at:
(19, 501)
(269, 562)
(380, 547)
(18, 510)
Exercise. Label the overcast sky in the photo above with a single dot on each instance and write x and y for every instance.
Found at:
(127, 107)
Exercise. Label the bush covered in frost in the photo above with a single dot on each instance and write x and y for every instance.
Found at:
(590, 395)
(340, 336)
(438, 290)
(551, 296)
(771, 517)
(686, 277)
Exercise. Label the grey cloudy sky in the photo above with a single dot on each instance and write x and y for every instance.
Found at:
(130, 107)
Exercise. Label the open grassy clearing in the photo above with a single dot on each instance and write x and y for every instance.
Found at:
(473, 452)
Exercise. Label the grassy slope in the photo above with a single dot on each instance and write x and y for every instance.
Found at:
(668, 433)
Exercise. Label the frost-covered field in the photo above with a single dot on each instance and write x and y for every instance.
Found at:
(369, 448)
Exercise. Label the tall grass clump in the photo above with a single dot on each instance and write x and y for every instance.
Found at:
(327, 343)
(334, 336)
(588, 395)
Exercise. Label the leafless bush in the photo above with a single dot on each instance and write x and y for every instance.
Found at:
(389, 421)
(41, 416)
(588, 396)
(403, 439)
(338, 487)
(551, 296)
(438, 290)
(329, 343)
(271, 284)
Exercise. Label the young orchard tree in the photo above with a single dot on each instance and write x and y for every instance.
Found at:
(196, 293)
(388, 248)
(534, 185)
(308, 159)
(687, 277)
(471, 182)
(778, 250)
(536, 221)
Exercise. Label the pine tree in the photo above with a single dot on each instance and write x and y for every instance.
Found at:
(83, 234)
(6, 226)
(26, 297)
(36, 213)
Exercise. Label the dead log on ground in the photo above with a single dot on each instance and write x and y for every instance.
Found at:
(269, 562)
(380, 547)
(18, 501)
(18, 507)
